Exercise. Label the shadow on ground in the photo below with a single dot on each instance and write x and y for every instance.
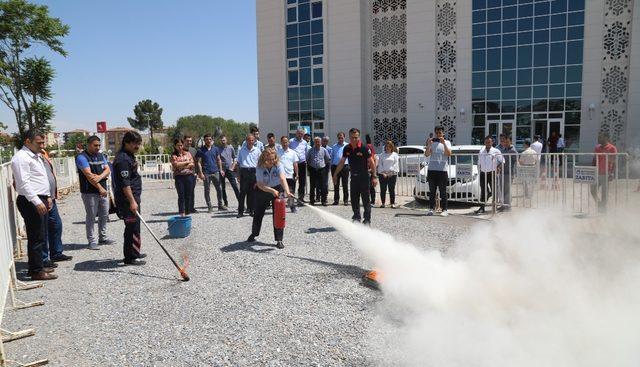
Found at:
(248, 246)
(320, 230)
(112, 266)
(351, 270)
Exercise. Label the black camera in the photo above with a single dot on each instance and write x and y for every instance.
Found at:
(435, 140)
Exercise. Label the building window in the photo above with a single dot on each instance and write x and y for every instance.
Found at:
(305, 77)
(527, 68)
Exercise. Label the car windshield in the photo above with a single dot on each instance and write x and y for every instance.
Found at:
(463, 157)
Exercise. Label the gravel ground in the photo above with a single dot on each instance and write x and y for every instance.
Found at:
(246, 304)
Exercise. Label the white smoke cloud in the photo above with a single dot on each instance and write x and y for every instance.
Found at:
(535, 289)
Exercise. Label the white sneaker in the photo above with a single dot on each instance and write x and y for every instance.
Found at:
(444, 213)
(430, 213)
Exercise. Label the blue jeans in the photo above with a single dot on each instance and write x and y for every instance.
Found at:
(53, 236)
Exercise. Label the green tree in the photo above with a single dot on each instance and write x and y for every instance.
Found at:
(73, 140)
(23, 25)
(198, 125)
(148, 115)
(37, 77)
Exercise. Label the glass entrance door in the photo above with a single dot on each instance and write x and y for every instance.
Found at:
(495, 128)
(545, 128)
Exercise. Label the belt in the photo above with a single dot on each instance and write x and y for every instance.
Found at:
(40, 196)
(250, 169)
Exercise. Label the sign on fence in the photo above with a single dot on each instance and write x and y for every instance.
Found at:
(528, 173)
(464, 171)
(585, 174)
(150, 164)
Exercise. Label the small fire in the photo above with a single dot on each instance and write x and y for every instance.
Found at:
(372, 278)
(183, 269)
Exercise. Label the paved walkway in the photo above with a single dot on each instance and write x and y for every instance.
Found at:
(246, 304)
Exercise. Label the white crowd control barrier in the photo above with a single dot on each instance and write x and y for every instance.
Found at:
(12, 236)
(583, 183)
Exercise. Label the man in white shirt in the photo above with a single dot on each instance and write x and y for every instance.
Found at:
(528, 158)
(34, 200)
(537, 145)
(489, 160)
(336, 155)
(301, 147)
(289, 161)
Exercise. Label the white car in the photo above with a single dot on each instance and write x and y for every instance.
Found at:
(411, 156)
(464, 183)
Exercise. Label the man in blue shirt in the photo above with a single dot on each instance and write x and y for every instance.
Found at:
(228, 158)
(343, 177)
(300, 146)
(256, 134)
(248, 161)
(93, 171)
(318, 160)
(209, 167)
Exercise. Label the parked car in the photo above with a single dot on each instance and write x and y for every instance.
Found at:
(411, 156)
(464, 183)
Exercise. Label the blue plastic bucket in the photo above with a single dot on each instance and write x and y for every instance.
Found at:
(179, 227)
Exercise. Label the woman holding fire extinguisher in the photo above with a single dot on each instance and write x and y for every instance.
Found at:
(270, 184)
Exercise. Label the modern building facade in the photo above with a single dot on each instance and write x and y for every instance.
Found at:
(397, 68)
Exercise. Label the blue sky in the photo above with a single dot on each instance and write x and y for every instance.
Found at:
(192, 57)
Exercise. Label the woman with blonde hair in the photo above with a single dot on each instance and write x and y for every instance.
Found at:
(270, 183)
(388, 168)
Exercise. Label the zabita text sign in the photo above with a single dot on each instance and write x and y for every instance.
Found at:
(585, 174)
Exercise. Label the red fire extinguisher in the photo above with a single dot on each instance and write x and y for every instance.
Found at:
(279, 212)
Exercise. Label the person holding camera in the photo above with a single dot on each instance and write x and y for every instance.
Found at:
(438, 150)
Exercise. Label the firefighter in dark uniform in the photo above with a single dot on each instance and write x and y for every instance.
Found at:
(128, 188)
(360, 162)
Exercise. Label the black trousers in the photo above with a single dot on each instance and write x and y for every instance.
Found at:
(343, 178)
(184, 187)
(190, 200)
(372, 190)
(388, 183)
(302, 179)
(36, 226)
(231, 177)
(318, 182)
(247, 189)
(292, 188)
(437, 180)
(486, 186)
(360, 190)
(263, 199)
(132, 241)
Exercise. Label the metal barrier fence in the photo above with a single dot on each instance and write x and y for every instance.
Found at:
(66, 173)
(579, 182)
(548, 180)
(12, 236)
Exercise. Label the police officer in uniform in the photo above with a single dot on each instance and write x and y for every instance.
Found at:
(128, 188)
(270, 183)
(360, 163)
